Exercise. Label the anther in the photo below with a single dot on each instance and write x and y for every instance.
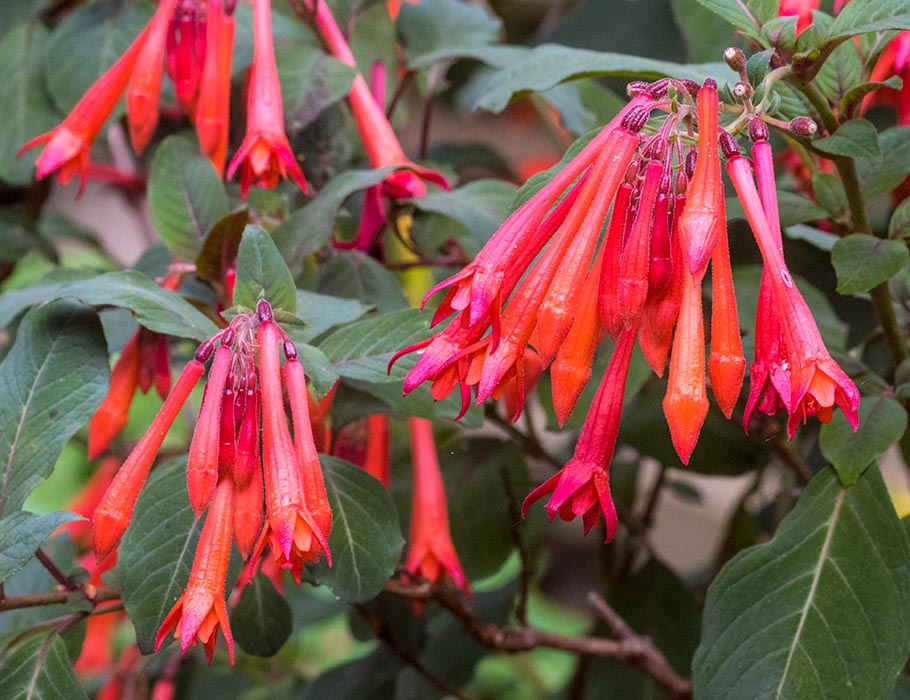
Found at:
(290, 350)
(710, 83)
(636, 119)
(227, 338)
(802, 126)
(637, 87)
(689, 167)
(204, 351)
(758, 130)
(264, 309)
(728, 145)
(658, 88)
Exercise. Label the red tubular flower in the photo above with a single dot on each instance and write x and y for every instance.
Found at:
(290, 530)
(143, 93)
(200, 611)
(68, 144)
(365, 442)
(202, 463)
(265, 154)
(248, 513)
(114, 512)
(817, 383)
(699, 225)
(894, 60)
(431, 553)
(185, 53)
(213, 106)
(801, 8)
(88, 498)
(608, 293)
(582, 487)
(113, 413)
(686, 402)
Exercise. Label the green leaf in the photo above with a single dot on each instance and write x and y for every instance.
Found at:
(355, 275)
(371, 677)
(311, 81)
(85, 44)
(745, 16)
(862, 16)
(261, 620)
(859, 91)
(829, 191)
(480, 206)
(25, 104)
(52, 380)
(435, 29)
(899, 226)
(40, 669)
(365, 540)
(882, 421)
(157, 309)
(156, 554)
(321, 313)
(308, 229)
(842, 71)
(549, 65)
(220, 246)
(186, 197)
(322, 376)
(856, 138)
(862, 261)
(22, 533)
(362, 350)
(819, 611)
(262, 273)
(879, 178)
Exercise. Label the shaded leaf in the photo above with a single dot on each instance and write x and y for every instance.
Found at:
(321, 312)
(862, 261)
(439, 29)
(371, 677)
(52, 380)
(220, 246)
(741, 15)
(861, 16)
(310, 80)
(856, 138)
(262, 273)
(261, 620)
(365, 541)
(21, 533)
(355, 275)
(818, 611)
(40, 669)
(882, 421)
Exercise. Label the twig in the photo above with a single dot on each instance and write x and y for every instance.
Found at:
(432, 81)
(35, 600)
(630, 649)
(517, 530)
(51, 567)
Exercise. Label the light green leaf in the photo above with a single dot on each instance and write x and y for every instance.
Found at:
(862, 261)
(311, 81)
(745, 16)
(856, 138)
(262, 273)
(21, 533)
(52, 380)
(818, 612)
(321, 312)
(862, 16)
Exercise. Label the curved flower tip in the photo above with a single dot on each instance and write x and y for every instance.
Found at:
(437, 561)
(65, 152)
(816, 388)
(685, 416)
(263, 158)
(577, 490)
(196, 616)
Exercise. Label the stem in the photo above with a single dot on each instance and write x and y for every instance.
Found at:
(51, 567)
(35, 600)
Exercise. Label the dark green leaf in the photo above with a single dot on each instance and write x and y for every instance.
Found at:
(372, 677)
(818, 612)
(434, 29)
(318, 369)
(841, 72)
(156, 554)
(261, 620)
(40, 669)
(220, 246)
(793, 209)
(52, 380)
(584, 104)
(861, 16)
(705, 37)
(549, 65)
(309, 229)
(19, 235)
(158, 309)
(858, 91)
(22, 533)
(746, 16)
(311, 81)
(856, 138)
(321, 312)
(185, 196)
(882, 421)
(862, 261)
(365, 540)
(262, 273)
(829, 191)
(355, 275)
(878, 178)
(85, 44)
(902, 689)
(25, 104)
(362, 350)
(899, 226)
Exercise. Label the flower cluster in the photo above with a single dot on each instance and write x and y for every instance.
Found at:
(242, 453)
(618, 243)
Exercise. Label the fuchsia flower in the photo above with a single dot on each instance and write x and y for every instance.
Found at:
(801, 8)
(431, 553)
(265, 154)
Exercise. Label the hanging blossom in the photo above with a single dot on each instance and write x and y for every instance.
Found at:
(618, 244)
(241, 455)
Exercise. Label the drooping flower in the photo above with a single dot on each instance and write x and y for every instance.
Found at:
(365, 442)
(431, 553)
(265, 154)
(201, 611)
(213, 105)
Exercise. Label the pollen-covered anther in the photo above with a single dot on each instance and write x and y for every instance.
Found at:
(758, 131)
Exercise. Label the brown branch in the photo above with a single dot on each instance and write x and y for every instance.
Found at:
(95, 596)
(51, 567)
(630, 648)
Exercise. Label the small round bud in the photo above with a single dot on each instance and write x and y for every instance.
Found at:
(710, 83)
(227, 338)
(659, 88)
(637, 87)
(682, 183)
(742, 90)
(636, 119)
(758, 130)
(802, 126)
(290, 350)
(264, 309)
(631, 175)
(690, 163)
(204, 351)
(728, 144)
(664, 184)
(735, 58)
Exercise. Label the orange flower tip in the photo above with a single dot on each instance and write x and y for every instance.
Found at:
(685, 416)
(568, 382)
(107, 530)
(30, 144)
(200, 483)
(726, 374)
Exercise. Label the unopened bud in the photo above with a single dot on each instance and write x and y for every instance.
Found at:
(742, 90)
(227, 338)
(758, 130)
(691, 86)
(637, 87)
(659, 88)
(636, 119)
(735, 58)
(204, 351)
(657, 150)
(290, 350)
(802, 126)
(631, 175)
(728, 145)
(690, 163)
(664, 184)
(682, 183)
(710, 83)
(264, 309)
